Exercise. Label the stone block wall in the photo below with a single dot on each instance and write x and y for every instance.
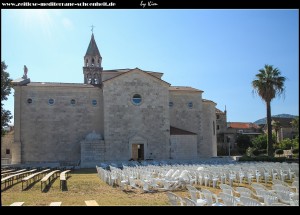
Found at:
(183, 147)
(53, 132)
(209, 143)
(124, 120)
(184, 117)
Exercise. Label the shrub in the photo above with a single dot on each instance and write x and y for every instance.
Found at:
(262, 151)
(243, 142)
(263, 158)
(279, 152)
(295, 151)
(255, 152)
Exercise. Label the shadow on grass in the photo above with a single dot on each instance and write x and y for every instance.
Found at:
(64, 185)
(9, 186)
(48, 186)
(30, 185)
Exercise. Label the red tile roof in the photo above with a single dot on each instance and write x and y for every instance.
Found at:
(242, 125)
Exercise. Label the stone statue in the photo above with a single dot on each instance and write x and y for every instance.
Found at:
(25, 72)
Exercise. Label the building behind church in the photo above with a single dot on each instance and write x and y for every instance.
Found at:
(114, 115)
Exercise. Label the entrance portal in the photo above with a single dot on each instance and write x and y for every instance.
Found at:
(137, 151)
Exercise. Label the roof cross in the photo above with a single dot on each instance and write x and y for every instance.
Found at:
(92, 26)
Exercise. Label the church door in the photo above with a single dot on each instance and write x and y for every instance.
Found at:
(137, 151)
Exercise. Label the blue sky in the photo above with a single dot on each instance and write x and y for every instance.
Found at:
(217, 51)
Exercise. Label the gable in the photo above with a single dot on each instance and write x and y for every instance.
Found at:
(136, 71)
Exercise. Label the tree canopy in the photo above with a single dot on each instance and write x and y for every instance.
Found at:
(5, 91)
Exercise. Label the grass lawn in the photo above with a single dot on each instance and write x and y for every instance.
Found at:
(84, 184)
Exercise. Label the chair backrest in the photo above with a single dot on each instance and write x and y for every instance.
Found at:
(174, 199)
(227, 189)
(270, 198)
(246, 201)
(188, 202)
(280, 187)
(243, 191)
(208, 195)
(258, 186)
(228, 199)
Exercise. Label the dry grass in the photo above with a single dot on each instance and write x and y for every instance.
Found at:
(85, 185)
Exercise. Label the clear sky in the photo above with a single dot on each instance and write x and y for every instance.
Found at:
(217, 51)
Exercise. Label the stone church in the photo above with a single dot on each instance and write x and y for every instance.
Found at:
(114, 115)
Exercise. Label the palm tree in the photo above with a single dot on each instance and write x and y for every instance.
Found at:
(267, 85)
(276, 125)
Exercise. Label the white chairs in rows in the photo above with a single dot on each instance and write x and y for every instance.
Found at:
(247, 201)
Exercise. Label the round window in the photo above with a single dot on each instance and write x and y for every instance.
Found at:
(73, 101)
(51, 101)
(136, 99)
(94, 102)
(29, 101)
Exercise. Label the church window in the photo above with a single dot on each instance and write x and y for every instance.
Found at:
(190, 104)
(94, 102)
(214, 128)
(171, 104)
(136, 99)
(93, 61)
(73, 101)
(29, 101)
(51, 101)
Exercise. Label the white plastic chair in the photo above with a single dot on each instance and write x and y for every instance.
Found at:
(246, 201)
(228, 199)
(209, 196)
(174, 199)
(188, 202)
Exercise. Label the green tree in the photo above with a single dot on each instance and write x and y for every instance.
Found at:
(260, 142)
(267, 85)
(276, 125)
(5, 91)
(243, 142)
(295, 124)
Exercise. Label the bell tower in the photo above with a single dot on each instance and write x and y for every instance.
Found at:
(92, 64)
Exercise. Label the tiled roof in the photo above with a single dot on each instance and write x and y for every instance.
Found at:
(180, 88)
(242, 125)
(178, 131)
(58, 84)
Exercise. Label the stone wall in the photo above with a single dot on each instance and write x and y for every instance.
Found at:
(209, 143)
(125, 123)
(53, 132)
(184, 117)
(92, 153)
(6, 144)
(184, 147)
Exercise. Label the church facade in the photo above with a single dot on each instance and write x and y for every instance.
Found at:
(114, 115)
